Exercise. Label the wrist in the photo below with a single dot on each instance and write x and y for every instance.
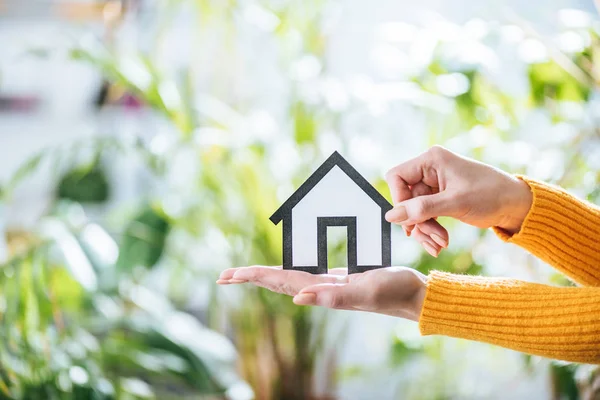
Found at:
(518, 204)
(418, 300)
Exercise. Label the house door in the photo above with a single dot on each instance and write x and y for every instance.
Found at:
(322, 224)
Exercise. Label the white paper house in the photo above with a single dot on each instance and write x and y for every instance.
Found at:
(335, 195)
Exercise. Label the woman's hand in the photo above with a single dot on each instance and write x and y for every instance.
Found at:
(396, 291)
(440, 183)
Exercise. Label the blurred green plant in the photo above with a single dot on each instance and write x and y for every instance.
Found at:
(143, 241)
(65, 336)
(139, 343)
(270, 331)
(84, 185)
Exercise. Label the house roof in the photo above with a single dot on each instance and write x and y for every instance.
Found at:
(311, 182)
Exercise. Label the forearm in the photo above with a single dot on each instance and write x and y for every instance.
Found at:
(561, 230)
(555, 322)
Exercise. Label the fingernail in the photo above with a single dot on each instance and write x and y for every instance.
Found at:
(430, 249)
(222, 281)
(305, 299)
(237, 280)
(397, 214)
(439, 240)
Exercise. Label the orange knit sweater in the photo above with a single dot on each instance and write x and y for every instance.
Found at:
(556, 322)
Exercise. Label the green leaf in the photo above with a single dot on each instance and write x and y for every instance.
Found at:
(401, 352)
(564, 384)
(84, 185)
(305, 124)
(550, 80)
(144, 240)
(24, 171)
(65, 290)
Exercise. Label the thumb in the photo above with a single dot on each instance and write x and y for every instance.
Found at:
(420, 209)
(330, 295)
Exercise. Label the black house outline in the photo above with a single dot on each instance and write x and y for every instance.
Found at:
(284, 213)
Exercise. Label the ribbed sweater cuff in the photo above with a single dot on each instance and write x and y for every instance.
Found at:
(561, 230)
(554, 322)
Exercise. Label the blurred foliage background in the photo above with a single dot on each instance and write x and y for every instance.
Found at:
(200, 117)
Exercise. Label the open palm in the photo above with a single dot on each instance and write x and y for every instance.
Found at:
(396, 291)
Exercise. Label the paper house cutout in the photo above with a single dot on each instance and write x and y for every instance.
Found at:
(335, 195)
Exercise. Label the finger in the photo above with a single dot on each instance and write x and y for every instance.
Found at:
(419, 189)
(226, 276)
(331, 295)
(399, 189)
(435, 231)
(422, 208)
(411, 172)
(281, 280)
(429, 245)
(228, 273)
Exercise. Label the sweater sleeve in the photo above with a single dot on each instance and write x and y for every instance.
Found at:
(561, 230)
(555, 322)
